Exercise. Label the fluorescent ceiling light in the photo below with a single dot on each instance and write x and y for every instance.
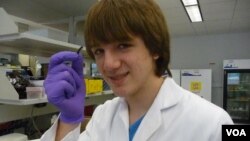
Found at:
(194, 13)
(189, 2)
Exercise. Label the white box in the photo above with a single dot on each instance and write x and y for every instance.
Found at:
(34, 92)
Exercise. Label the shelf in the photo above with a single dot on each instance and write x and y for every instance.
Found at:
(24, 101)
(9, 95)
(238, 100)
(99, 98)
(231, 110)
(93, 99)
(14, 41)
(27, 43)
(238, 90)
(239, 118)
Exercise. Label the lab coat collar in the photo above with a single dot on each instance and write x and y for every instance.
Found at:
(123, 113)
(167, 97)
(169, 94)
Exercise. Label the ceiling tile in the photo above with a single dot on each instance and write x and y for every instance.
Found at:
(213, 1)
(240, 25)
(242, 13)
(220, 26)
(176, 16)
(175, 12)
(164, 4)
(242, 9)
(181, 30)
(199, 28)
(178, 20)
(30, 10)
(243, 5)
(68, 7)
(218, 10)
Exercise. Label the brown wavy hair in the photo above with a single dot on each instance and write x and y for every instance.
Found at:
(118, 20)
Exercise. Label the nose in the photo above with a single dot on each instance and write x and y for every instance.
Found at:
(111, 61)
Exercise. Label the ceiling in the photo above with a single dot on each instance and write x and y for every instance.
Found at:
(220, 16)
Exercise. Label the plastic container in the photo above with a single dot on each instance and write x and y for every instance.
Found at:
(34, 92)
(36, 83)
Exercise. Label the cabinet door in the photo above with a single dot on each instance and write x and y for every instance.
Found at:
(237, 94)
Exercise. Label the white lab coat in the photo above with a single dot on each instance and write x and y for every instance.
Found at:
(175, 115)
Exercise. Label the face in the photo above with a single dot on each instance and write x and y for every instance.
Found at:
(126, 66)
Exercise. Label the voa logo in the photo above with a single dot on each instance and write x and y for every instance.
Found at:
(236, 132)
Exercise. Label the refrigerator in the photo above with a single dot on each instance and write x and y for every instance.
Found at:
(198, 81)
(236, 89)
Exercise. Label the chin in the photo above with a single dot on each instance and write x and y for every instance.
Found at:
(120, 92)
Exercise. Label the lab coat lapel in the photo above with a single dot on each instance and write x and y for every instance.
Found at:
(152, 121)
(123, 113)
(121, 123)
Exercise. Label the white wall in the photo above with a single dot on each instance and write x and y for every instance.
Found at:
(202, 52)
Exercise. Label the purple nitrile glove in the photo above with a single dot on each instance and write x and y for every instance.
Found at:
(65, 87)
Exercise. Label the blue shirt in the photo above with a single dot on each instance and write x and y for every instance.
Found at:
(133, 128)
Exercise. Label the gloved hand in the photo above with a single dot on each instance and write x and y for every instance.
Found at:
(65, 87)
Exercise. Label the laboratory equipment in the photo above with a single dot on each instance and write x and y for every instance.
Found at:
(236, 89)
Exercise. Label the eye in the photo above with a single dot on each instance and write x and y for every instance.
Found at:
(97, 51)
(124, 45)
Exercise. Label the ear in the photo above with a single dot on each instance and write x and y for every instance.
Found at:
(155, 57)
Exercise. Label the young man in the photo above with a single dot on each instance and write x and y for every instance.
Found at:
(129, 41)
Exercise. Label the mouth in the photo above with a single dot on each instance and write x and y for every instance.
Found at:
(118, 79)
